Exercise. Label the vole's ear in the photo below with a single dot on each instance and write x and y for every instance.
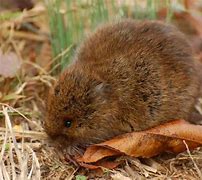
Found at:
(102, 89)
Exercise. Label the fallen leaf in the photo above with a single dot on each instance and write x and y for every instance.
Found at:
(9, 64)
(164, 138)
(187, 21)
(190, 4)
(194, 21)
(16, 4)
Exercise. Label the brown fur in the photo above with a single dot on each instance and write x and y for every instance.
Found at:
(127, 76)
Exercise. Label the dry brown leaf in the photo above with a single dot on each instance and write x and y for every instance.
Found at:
(16, 4)
(194, 21)
(190, 4)
(9, 64)
(189, 22)
(167, 137)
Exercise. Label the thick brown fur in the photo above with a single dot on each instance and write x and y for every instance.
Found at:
(126, 76)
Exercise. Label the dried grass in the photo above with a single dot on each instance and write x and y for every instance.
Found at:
(17, 160)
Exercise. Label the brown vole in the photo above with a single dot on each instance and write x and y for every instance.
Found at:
(126, 76)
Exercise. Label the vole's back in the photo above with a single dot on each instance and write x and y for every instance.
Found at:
(149, 68)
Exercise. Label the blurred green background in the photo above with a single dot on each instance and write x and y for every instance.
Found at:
(71, 20)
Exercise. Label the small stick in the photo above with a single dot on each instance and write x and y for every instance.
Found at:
(188, 151)
(26, 134)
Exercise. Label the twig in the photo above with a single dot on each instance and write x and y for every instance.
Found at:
(197, 168)
(27, 119)
(26, 134)
(30, 36)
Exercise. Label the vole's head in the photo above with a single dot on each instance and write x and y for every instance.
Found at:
(78, 109)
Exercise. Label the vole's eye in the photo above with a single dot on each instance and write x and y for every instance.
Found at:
(68, 123)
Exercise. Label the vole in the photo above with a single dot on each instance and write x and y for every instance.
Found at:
(126, 76)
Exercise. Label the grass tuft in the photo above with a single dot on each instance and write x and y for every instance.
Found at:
(71, 19)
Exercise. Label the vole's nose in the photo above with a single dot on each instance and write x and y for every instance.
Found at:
(53, 136)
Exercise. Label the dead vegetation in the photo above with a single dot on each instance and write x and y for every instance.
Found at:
(25, 151)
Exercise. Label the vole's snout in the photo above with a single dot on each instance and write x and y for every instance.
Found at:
(57, 137)
(53, 136)
(53, 133)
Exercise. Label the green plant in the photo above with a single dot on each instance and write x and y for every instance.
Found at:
(71, 19)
